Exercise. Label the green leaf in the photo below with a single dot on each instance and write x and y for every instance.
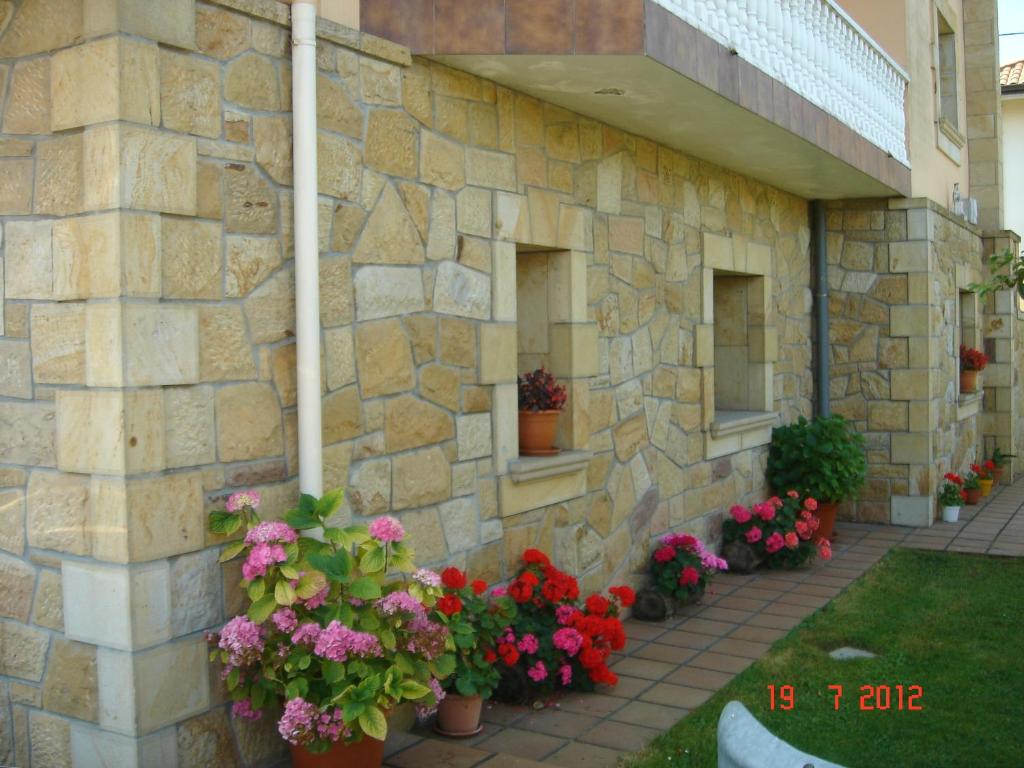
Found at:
(348, 537)
(289, 572)
(387, 638)
(365, 588)
(443, 666)
(260, 610)
(329, 503)
(464, 686)
(372, 560)
(336, 567)
(302, 518)
(224, 523)
(413, 690)
(256, 589)
(373, 723)
(404, 664)
(297, 687)
(233, 677)
(284, 594)
(231, 551)
(333, 671)
(309, 584)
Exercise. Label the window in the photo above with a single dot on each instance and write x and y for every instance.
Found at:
(737, 345)
(948, 135)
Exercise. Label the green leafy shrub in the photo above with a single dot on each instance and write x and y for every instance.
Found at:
(823, 458)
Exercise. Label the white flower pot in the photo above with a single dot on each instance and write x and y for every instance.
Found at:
(950, 514)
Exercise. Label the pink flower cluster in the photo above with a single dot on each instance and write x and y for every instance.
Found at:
(337, 642)
(564, 614)
(284, 619)
(243, 640)
(261, 557)
(528, 644)
(236, 501)
(692, 544)
(425, 710)
(427, 578)
(387, 529)
(537, 672)
(565, 675)
(272, 532)
(302, 722)
(307, 633)
(428, 638)
(243, 708)
(400, 601)
(568, 639)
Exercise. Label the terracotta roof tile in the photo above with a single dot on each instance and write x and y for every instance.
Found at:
(1011, 75)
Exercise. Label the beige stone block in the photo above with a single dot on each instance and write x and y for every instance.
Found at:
(474, 436)
(412, 423)
(574, 350)
(388, 291)
(911, 448)
(39, 26)
(248, 422)
(704, 349)
(252, 81)
(609, 184)
(462, 291)
(12, 521)
(342, 415)
(250, 261)
(440, 385)
(910, 384)
(420, 478)
(442, 162)
(575, 227)
(567, 287)
(48, 608)
(190, 94)
(28, 106)
(503, 282)
(457, 342)
(273, 138)
(189, 431)
(19, 580)
(912, 256)
(496, 170)
(340, 357)
(392, 141)
(369, 490)
(886, 416)
(171, 21)
(114, 433)
(109, 79)
(511, 218)
(29, 260)
(498, 355)
(384, 358)
(515, 498)
(336, 111)
(16, 185)
(251, 203)
(15, 369)
(909, 321)
(25, 649)
(473, 211)
(763, 343)
(381, 82)
(718, 251)
(141, 345)
(191, 258)
(70, 686)
(339, 166)
(170, 683)
(86, 257)
(224, 350)
(390, 235)
(58, 512)
(59, 175)
(28, 430)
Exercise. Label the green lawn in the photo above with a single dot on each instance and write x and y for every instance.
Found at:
(952, 624)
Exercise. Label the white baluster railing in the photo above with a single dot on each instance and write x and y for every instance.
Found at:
(815, 48)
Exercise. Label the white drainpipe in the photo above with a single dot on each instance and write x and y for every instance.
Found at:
(307, 255)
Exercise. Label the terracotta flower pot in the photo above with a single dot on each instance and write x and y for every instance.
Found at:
(826, 514)
(986, 486)
(537, 432)
(365, 753)
(459, 716)
(997, 475)
(968, 381)
(973, 495)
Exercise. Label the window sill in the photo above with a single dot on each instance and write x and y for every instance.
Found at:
(968, 405)
(734, 431)
(949, 140)
(539, 481)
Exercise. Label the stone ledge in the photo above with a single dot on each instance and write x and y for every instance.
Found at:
(528, 468)
(968, 405)
(728, 423)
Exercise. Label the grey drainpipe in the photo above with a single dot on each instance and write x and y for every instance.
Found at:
(819, 237)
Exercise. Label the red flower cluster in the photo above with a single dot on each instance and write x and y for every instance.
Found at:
(984, 471)
(782, 529)
(952, 493)
(538, 391)
(972, 359)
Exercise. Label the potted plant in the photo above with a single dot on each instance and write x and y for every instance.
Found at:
(951, 496)
(541, 400)
(683, 567)
(972, 489)
(475, 621)
(778, 532)
(984, 473)
(823, 459)
(556, 644)
(972, 362)
(335, 631)
(1000, 460)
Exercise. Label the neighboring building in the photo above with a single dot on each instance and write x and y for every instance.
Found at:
(618, 189)
(1011, 81)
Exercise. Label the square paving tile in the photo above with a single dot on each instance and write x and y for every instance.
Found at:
(744, 648)
(799, 597)
(687, 639)
(788, 609)
(773, 621)
(614, 735)
(398, 740)
(511, 761)
(629, 687)
(715, 613)
(645, 668)
(672, 695)
(721, 662)
(707, 627)
(556, 722)
(642, 630)
(502, 714)
(758, 634)
(649, 714)
(528, 744)
(597, 704)
(437, 754)
(579, 755)
(696, 677)
(745, 603)
(672, 654)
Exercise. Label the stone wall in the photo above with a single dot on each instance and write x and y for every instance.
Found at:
(148, 320)
(899, 273)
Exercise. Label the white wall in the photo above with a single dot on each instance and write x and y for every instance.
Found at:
(1013, 162)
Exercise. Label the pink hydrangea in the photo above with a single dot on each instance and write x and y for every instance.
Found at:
(243, 708)
(400, 601)
(330, 725)
(387, 529)
(271, 532)
(740, 514)
(240, 499)
(284, 619)
(261, 557)
(774, 543)
(427, 577)
(297, 721)
(425, 710)
(337, 642)
(564, 614)
(318, 599)
(243, 640)
(428, 638)
(528, 644)
(565, 675)
(568, 639)
(537, 672)
(307, 633)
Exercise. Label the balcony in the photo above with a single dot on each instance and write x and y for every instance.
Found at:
(791, 92)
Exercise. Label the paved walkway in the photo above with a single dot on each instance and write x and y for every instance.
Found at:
(669, 668)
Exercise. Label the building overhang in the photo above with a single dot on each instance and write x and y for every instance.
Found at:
(639, 67)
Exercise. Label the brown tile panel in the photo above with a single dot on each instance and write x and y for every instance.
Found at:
(609, 26)
(464, 26)
(539, 26)
(408, 22)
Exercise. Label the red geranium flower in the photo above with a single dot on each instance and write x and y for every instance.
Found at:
(453, 578)
(479, 586)
(449, 604)
(509, 654)
(520, 591)
(535, 557)
(490, 656)
(528, 577)
(689, 576)
(664, 554)
(598, 605)
(625, 594)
